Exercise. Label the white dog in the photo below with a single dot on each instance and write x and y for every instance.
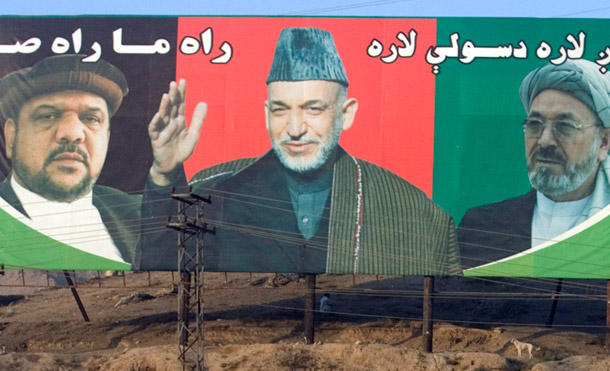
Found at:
(523, 346)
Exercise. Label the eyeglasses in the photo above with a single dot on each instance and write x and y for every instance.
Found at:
(562, 130)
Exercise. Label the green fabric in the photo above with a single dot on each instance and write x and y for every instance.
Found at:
(309, 196)
(403, 232)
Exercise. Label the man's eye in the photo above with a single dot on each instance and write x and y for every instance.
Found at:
(278, 110)
(315, 110)
(534, 124)
(90, 118)
(47, 116)
(564, 127)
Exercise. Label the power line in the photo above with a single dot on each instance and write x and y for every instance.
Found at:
(347, 7)
(580, 12)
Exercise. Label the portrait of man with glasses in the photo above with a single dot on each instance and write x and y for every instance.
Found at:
(567, 137)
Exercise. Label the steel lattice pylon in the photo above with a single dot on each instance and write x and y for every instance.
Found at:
(190, 225)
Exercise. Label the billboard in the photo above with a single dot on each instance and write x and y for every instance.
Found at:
(426, 112)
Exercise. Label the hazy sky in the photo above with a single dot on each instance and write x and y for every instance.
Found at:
(395, 8)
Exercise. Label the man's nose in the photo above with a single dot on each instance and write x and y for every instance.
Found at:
(70, 128)
(296, 125)
(547, 138)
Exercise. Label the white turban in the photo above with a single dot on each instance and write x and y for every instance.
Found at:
(580, 78)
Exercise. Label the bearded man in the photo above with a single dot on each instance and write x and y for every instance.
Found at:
(306, 206)
(57, 132)
(566, 147)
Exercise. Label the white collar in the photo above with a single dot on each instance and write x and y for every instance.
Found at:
(77, 224)
(36, 205)
(566, 208)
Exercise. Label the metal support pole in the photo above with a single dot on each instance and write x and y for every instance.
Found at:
(554, 299)
(191, 227)
(310, 297)
(428, 323)
(608, 317)
(184, 305)
(81, 307)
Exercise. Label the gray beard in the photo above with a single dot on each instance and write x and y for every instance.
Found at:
(570, 180)
(298, 164)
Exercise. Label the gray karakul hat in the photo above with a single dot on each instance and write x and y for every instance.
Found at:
(59, 73)
(306, 54)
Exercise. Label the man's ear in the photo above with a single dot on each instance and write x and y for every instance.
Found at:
(9, 136)
(350, 106)
(267, 114)
(604, 144)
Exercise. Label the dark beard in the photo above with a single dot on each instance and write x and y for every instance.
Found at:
(41, 182)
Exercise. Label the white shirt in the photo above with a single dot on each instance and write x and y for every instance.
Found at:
(78, 223)
(553, 218)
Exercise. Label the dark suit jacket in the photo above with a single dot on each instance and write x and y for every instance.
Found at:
(256, 208)
(375, 222)
(120, 213)
(495, 231)
(255, 220)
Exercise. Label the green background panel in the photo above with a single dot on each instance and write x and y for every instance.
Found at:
(583, 255)
(479, 152)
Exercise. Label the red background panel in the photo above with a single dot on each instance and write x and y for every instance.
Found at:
(394, 126)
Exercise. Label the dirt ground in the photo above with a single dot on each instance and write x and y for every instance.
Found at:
(255, 322)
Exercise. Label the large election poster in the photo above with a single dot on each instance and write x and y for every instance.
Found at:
(484, 160)
(325, 145)
(42, 231)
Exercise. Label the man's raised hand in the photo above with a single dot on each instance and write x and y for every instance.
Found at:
(172, 141)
